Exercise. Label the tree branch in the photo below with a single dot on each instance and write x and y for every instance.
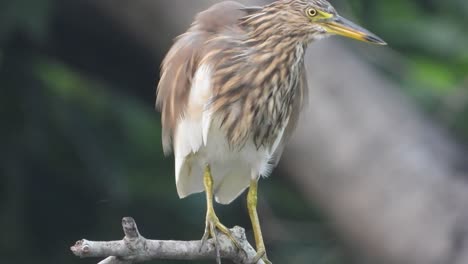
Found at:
(134, 248)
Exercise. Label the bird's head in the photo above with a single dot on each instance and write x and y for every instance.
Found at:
(316, 19)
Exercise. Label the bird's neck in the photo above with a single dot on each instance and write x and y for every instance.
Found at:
(276, 50)
(272, 26)
(262, 75)
(277, 46)
(278, 59)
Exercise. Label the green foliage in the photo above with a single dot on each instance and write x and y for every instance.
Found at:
(30, 17)
(431, 39)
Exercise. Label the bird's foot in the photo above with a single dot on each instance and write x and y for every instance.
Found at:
(211, 227)
(261, 254)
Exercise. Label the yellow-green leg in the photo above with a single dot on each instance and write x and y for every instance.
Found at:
(212, 222)
(252, 206)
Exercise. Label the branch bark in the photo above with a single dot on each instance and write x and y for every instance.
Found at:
(134, 248)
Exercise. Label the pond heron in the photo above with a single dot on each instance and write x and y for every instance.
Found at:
(230, 93)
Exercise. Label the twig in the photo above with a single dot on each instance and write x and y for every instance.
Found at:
(134, 248)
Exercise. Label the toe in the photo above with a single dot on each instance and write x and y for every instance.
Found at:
(261, 254)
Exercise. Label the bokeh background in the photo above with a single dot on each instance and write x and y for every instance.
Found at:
(80, 139)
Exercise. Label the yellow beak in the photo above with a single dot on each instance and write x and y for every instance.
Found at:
(341, 26)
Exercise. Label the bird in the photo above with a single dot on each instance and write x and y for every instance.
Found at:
(230, 94)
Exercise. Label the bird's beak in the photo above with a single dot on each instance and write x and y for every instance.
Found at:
(341, 26)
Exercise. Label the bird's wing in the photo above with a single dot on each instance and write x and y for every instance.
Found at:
(183, 60)
(173, 91)
(301, 99)
(186, 87)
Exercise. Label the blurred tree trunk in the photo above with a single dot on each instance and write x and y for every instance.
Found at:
(383, 174)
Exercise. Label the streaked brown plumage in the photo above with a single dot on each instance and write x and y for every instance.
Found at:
(231, 91)
(240, 78)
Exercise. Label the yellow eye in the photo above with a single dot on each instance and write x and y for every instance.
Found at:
(311, 12)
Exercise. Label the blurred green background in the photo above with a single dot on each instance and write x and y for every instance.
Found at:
(80, 140)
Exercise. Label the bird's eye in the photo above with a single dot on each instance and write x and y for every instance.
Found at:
(311, 12)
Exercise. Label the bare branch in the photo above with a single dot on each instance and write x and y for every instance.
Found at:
(134, 248)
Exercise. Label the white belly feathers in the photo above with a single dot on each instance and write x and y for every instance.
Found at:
(198, 142)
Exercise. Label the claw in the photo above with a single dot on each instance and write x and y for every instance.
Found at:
(212, 226)
(212, 221)
(267, 261)
(261, 255)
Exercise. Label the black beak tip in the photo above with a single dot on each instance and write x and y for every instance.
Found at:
(376, 40)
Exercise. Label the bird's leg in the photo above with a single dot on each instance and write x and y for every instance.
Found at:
(252, 206)
(212, 221)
